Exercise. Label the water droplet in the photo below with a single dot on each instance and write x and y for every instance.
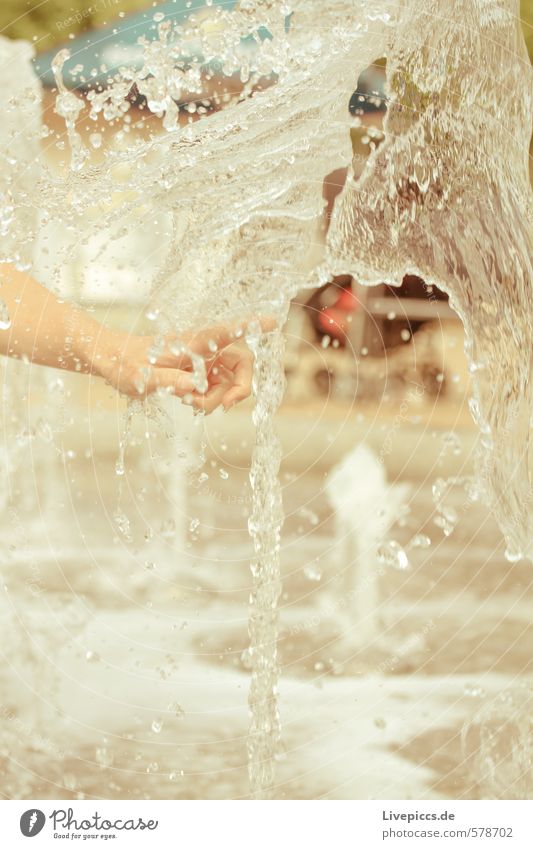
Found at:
(446, 520)
(474, 691)
(308, 514)
(451, 441)
(312, 571)
(450, 514)
(123, 524)
(475, 410)
(223, 474)
(158, 17)
(380, 723)
(420, 541)
(246, 658)
(336, 667)
(438, 490)
(56, 386)
(157, 726)
(168, 529)
(391, 554)
(95, 140)
(194, 525)
(92, 657)
(44, 431)
(5, 318)
(176, 709)
(104, 757)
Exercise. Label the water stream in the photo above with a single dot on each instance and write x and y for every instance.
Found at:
(265, 524)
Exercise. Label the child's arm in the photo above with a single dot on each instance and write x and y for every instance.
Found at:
(50, 332)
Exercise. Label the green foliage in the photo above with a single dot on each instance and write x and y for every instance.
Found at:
(526, 12)
(51, 22)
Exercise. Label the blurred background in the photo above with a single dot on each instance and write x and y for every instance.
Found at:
(404, 631)
(39, 21)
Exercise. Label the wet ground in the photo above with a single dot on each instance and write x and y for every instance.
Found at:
(125, 668)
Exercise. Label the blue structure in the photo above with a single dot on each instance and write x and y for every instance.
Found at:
(115, 45)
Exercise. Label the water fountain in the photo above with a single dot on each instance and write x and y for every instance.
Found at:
(365, 507)
(445, 197)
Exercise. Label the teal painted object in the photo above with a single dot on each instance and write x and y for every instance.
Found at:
(115, 45)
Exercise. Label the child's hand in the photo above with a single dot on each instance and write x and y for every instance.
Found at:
(138, 365)
(44, 329)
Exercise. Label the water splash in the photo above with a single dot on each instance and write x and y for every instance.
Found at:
(68, 106)
(445, 196)
(392, 555)
(497, 744)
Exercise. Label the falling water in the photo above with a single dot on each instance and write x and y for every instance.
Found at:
(265, 524)
(496, 744)
(446, 196)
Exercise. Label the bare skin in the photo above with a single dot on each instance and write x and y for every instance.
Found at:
(51, 332)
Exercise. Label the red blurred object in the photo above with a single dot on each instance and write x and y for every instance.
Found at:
(334, 320)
